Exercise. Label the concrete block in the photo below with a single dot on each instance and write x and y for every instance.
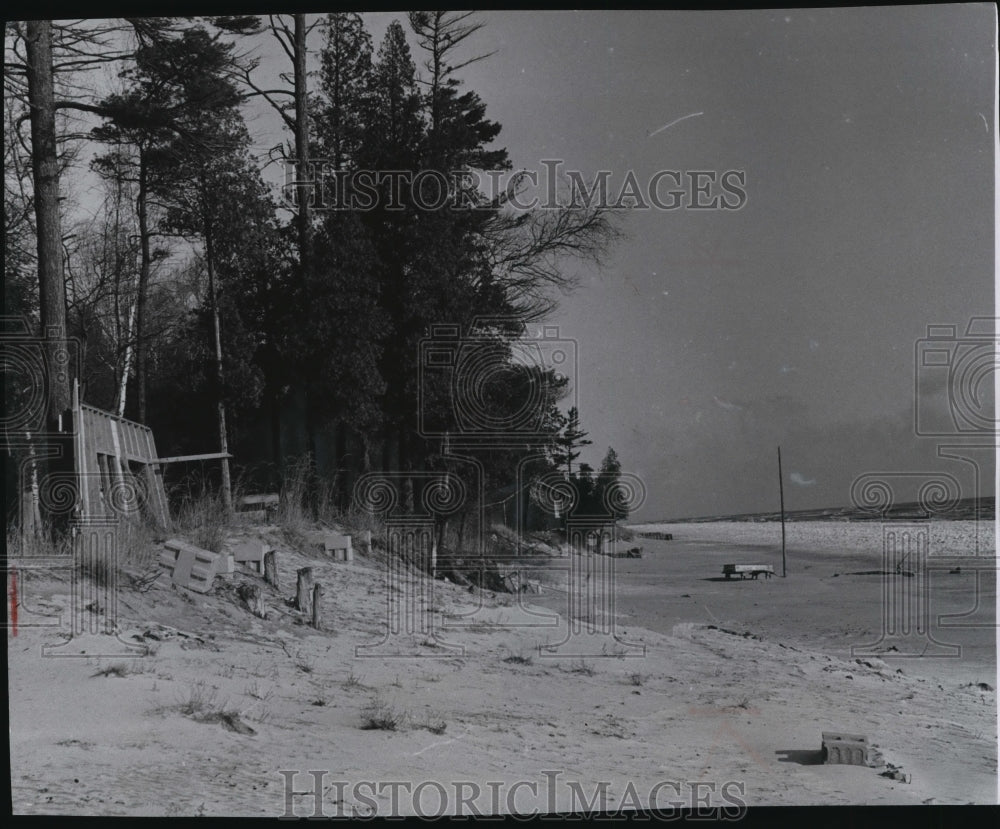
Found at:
(846, 749)
(249, 551)
(335, 545)
(189, 566)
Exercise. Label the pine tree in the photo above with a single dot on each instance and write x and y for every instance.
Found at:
(570, 440)
(346, 65)
(608, 494)
(173, 82)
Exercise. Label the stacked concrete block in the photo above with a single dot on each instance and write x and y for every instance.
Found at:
(335, 545)
(190, 566)
(845, 749)
(250, 553)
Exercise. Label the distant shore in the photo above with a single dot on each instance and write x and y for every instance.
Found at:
(833, 598)
(965, 509)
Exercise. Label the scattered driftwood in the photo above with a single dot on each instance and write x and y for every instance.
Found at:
(631, 552)
(271, 568)
(257, 509)
(484, 573)
(303, 598)
(906, 573)
(317, 606)
(250, 594)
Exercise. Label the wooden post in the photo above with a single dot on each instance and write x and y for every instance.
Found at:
(250, 593)
(271, 568)
(317, 606)
(781, 493)
(304, 588)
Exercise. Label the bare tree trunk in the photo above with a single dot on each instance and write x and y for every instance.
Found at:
(141, 361)
(45, 170)
(274, 398)
(406, 467)
(227, 492)
(31, 515)
(344, 472)
(302, 144)
(129, 332)
(312, 470)
(306, 185)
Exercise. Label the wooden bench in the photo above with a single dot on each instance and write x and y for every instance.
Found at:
(745, 570)
(258, 508)
(335, 545)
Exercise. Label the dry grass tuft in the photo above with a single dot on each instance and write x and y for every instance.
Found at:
(380, 716)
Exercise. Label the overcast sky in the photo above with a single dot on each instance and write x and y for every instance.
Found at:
(868, 138)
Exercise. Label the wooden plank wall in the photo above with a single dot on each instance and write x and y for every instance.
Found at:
(105, 444)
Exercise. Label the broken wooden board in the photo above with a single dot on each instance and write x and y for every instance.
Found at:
(265, 501)
(189, 566)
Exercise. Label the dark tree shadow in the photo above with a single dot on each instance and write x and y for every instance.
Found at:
(804, 757)
(733, 579)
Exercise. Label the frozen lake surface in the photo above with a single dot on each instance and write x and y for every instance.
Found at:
(947, 538)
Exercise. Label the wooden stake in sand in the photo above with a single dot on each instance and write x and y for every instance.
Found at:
(271, 568)
(250, 593)
(304, 588)
(317, 606)
(781, 493)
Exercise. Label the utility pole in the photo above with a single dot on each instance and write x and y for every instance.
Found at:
(781, 493)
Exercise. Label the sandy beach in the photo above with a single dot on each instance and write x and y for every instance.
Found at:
(714, 692)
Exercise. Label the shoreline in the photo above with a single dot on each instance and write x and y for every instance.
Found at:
(704, 704)
(679, 581)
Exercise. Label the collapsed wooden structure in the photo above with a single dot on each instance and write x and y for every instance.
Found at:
(115, 467)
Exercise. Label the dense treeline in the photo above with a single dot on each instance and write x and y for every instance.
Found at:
(224, 314)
